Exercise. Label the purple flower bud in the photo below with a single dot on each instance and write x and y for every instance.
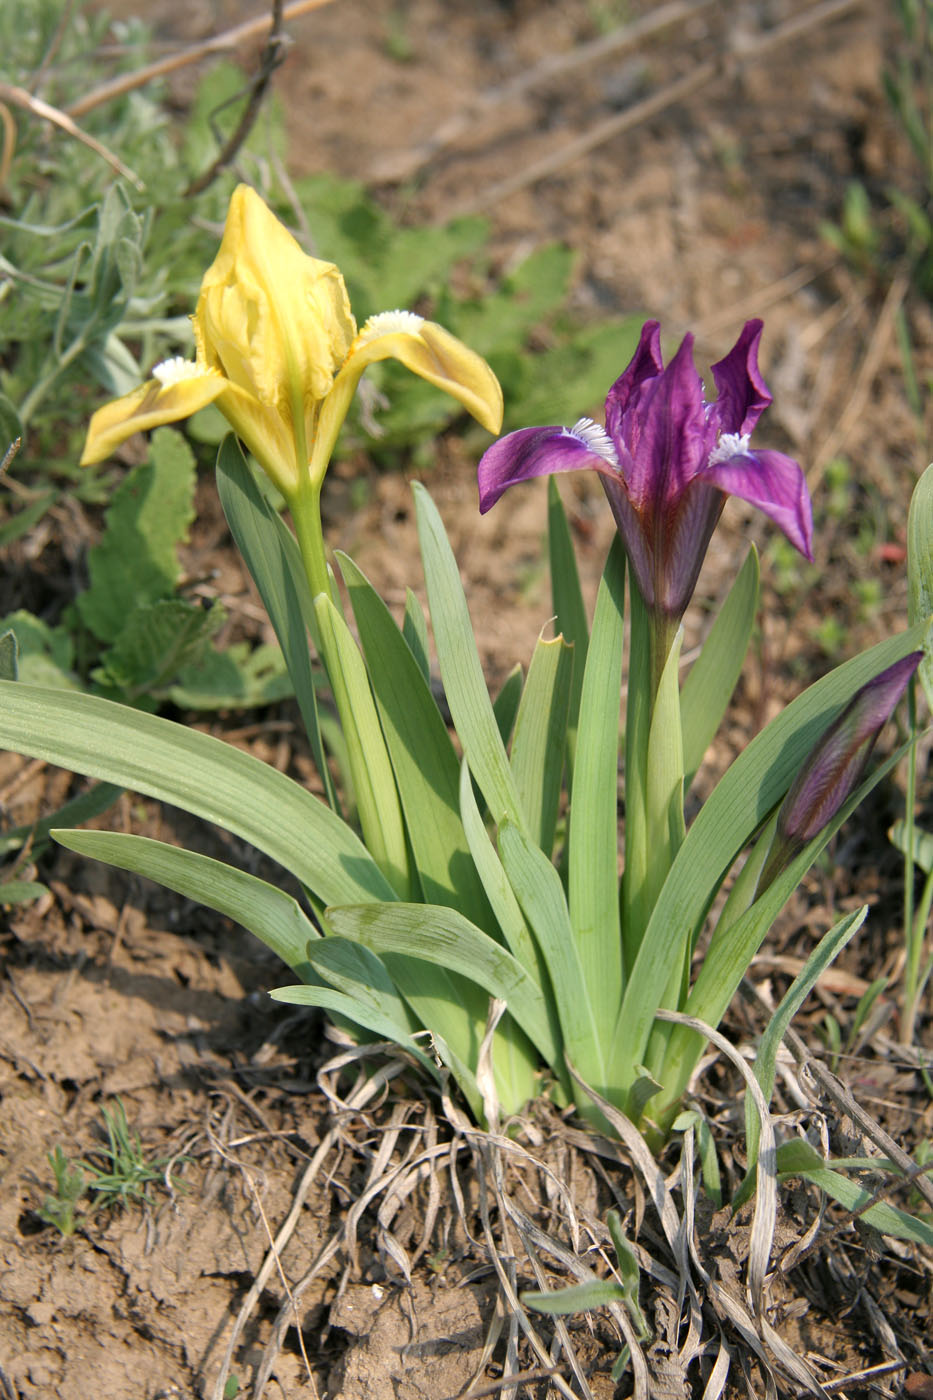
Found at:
(835, 767)
(668, 460)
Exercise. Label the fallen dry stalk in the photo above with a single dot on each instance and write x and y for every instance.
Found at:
(219, 43)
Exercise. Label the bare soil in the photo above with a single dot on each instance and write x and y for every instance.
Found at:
(703, 213)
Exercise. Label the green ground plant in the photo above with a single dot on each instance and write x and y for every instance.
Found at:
(117, 1173)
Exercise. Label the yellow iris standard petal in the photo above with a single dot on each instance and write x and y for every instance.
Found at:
(149, 406)
(276, 322)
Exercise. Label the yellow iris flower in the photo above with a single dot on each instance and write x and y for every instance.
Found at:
(277, 349)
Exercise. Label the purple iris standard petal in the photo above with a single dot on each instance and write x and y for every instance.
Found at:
(666, 436)
(645, 364)
(835, 767)
(774, 484)
(535, 452)
(742, 393)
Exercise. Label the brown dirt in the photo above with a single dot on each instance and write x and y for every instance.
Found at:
(705, 214)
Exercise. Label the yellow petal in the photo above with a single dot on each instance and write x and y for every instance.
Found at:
(266, 434)
(158, 401)
(276, 322)
(427, 350)
(437, 356)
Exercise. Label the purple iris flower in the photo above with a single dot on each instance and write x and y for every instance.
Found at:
(668, 460)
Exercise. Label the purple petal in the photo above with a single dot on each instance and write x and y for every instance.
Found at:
(666, 435)
(743, 394)
(776, 485)
(534, 452)
(646, 363)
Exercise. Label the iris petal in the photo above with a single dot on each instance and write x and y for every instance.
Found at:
(149, 406)
(775, 485)
(535, 452)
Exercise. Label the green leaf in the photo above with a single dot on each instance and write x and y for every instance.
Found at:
(593, 882)
(539, 742)
(11, 425)
(274, 561)
(567, 596)
(461, 670)
(829, 946)
(82, 808)
(371, 1016)
(9, 667)
(712, 678)
(20, 892)
(241, 677)
(442, 937)
(740, 803)
(505, 706)
(137, 560)
(798, 1159)
(920, 572)
(44, 654)
(495, 881)
(23, 521)
(423, 758)
(922, 852)
(579, 1297)
(158, 640)
(377, 798)
(198, 773)
(541, 896)
(265, 910)
(415, 632)
(734, 944)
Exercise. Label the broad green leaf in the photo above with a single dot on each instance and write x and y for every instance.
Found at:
(540, 738)
(567, 597)
(423, 758)
(137, 557)
(199, 773)
(798, 1159)
(274, 561)
(377, 798)
(241, 677)
(712, 678)
(593, 881)
(440, 936)
(158, 640)
(265, 910)
(819, 960)
(541, 896)
(920, 572)
(741, 801)
(462, 673)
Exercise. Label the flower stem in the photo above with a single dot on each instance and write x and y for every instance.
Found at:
(305, 506)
